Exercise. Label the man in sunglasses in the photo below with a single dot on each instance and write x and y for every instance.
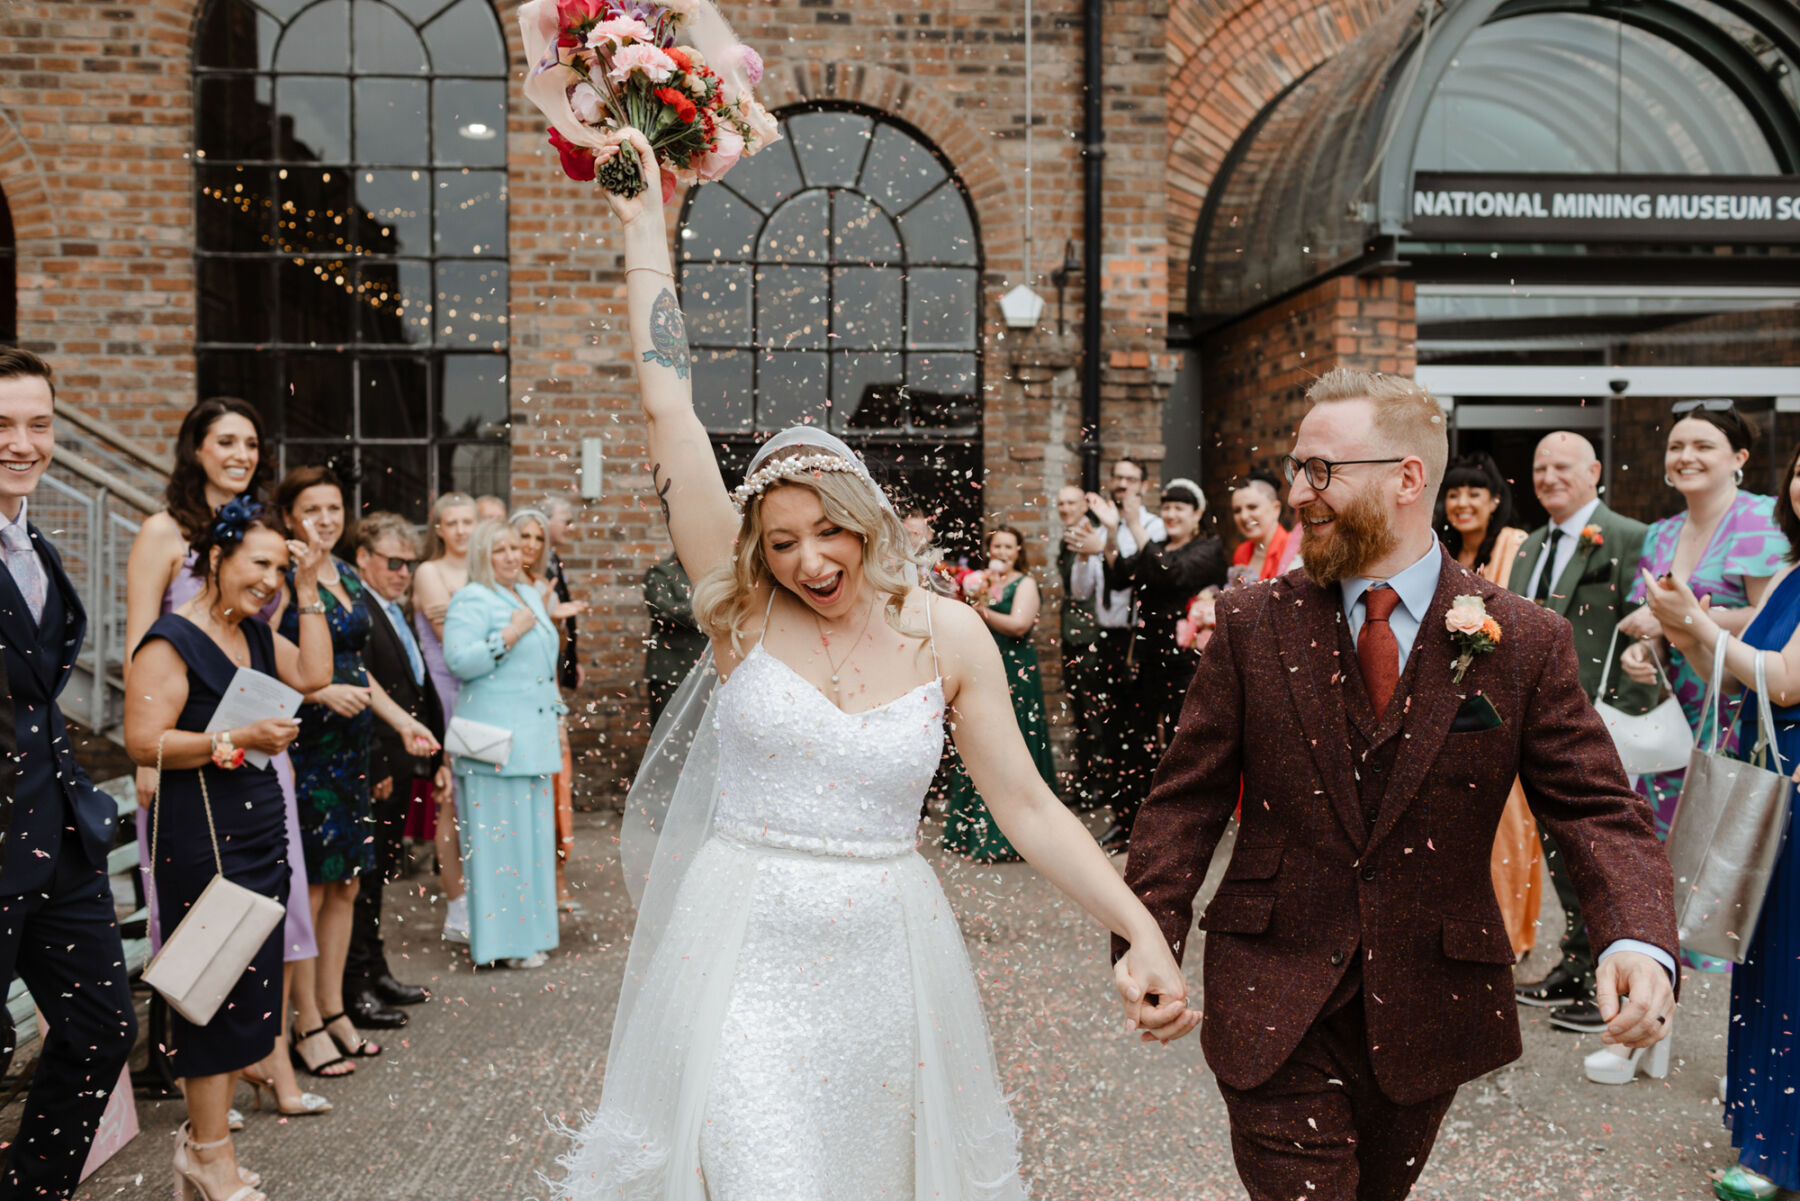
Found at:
(387, 551)
(1375, 711)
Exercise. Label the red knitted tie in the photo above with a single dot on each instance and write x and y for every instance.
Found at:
(1377, 650)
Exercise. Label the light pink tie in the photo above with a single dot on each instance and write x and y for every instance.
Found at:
(22, 561)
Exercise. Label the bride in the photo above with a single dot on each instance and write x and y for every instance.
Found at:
(799, 1018)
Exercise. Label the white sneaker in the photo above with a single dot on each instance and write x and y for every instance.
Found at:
(1608, 1066)
(456, 920)
(535, 960)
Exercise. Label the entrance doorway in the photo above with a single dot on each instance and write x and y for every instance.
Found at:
(1509, 429)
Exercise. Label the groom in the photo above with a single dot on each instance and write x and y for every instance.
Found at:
(1357, 969)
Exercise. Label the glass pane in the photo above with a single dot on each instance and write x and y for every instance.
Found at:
(470, 116)
(466, 40)
(478, 468)
(941, 388)
(866, 306)
(716, 303)
(283, 10)
(471, 305)
(799, 232)
(862, 233)
(720, 226)
(318, 301)
(393, 400)
(722, 387)
(394, 214)
(1680, 118)
(418, 11)
(472, 396)
(867, 392)
(390, 121)
(318, 398)
(767, 177)
(238, 37)
(940, 308)
(233, 122)
(395, 302)
(386, 43)
(314, 117)
(471, 212)
(236, 209)
(900, 170)
(395, 479)
(938, 230)
(253, 376)
(318, 40)
(317, 207)
(234, 299)
(791, 389)
(830, 146)
(790, 308)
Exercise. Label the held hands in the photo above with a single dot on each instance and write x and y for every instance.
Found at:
(271, 735)
(1649, 1007)
(1148, 969)
(345, 700)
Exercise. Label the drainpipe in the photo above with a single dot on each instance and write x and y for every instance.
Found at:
(1093, 157)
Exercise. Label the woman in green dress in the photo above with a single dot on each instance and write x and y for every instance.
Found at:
(1007, 600)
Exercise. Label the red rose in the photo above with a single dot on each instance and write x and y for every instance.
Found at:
(684, 108)
(577, 161)
(679, 58)
(578, 12)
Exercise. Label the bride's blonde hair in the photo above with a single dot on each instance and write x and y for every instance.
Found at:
(725, 598)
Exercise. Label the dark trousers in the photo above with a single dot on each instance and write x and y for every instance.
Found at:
(1094, 682)
(1321, 1128)
(64, 943)
(367, 958)
(1149, 714)
(1577, 950)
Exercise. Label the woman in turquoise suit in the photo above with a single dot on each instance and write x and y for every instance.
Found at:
(499, 642)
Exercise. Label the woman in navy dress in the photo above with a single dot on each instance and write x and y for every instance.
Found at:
(1762, 1076)
(182, 669)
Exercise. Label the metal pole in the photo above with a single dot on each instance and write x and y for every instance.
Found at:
(1093, 155)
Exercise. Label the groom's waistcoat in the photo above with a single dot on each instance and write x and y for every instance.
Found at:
(1362, 859)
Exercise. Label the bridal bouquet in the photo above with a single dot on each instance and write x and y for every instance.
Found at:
(671, 69)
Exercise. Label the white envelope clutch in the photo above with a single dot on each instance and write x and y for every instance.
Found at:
(478, 740)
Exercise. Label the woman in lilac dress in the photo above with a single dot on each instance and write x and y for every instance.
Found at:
(218, 455)
(444, 572)
(1724, 546)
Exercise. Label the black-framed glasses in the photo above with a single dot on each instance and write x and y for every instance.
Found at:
(1318, 471)
(1711, 406)
(396, 563)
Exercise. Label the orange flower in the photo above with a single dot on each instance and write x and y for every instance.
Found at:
(1491, 628)
(1591, 534)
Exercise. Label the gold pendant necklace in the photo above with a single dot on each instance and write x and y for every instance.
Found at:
(825, 641)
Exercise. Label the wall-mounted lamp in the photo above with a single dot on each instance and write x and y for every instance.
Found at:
(593, 468)
(1021, 308)
(1060, 277)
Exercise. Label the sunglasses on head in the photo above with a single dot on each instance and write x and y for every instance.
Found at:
(1711, 406)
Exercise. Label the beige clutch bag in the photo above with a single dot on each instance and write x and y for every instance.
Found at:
(203, 957)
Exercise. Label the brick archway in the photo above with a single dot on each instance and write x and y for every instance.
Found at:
(1222, 73)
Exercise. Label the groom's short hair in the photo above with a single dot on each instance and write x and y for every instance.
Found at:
(1408, 419)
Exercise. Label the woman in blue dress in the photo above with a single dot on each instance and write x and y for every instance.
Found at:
(214, 811)
(1762, 1090)
(500, 642)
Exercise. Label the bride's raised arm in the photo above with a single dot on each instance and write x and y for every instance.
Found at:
(683, 470)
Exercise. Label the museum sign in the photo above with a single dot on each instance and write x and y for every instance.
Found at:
(1479, 207)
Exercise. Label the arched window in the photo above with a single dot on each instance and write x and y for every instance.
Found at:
(835, 279)
(350, 188)
(9, 278)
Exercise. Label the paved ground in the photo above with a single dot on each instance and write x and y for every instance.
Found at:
(460, 1107)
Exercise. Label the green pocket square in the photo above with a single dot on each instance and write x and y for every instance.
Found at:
(1477, 714)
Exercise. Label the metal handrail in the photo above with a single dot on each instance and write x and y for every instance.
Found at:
(105, 480)
(126, 446)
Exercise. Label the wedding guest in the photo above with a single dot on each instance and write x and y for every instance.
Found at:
(1256, 511)
(1165, 574)
(532, 528)
(1725, 545)
(1474, 523)
(444, 572)
(675, 643)
(1007, 599)
(489, 507)
(562, 540)
(219, 455)
(58, 932)
(919, 530)
(500, 642)
(1762, 1064)
(215, 812)
(387, 553)
(1130, 725)
(1087, 683)
(1580, 565)
(331, 773)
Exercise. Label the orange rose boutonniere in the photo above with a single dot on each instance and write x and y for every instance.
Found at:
(1591, 535)
(1473, 631)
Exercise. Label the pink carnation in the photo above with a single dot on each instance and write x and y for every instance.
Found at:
(752, 63)
(648, 59)
(622, 30)
(589, 108)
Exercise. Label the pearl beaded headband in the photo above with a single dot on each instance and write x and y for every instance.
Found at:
(761, 481)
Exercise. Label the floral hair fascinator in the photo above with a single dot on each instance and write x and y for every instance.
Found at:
(762, 480)
(234, 518)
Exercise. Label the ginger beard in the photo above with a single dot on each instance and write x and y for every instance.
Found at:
(1357, 535)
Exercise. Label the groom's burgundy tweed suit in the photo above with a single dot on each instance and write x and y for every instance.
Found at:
(1357, 969)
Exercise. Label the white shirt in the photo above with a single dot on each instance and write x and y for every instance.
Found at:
(1087, 577)
(1565, 547)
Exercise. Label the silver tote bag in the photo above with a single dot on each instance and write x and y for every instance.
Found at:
(1648, 743)
(1728, 830)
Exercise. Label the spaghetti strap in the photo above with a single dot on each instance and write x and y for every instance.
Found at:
(767, 609)
(931, 637)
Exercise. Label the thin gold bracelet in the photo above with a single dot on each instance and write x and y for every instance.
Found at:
(651, 270)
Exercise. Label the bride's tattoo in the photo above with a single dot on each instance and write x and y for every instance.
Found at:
(668, 335)
(661, 485)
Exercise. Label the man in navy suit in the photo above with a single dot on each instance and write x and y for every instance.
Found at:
(58, 931)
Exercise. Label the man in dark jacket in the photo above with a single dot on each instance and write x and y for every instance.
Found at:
(387, 550)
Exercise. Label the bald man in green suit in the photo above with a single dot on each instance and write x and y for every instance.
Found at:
(1581, 565)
